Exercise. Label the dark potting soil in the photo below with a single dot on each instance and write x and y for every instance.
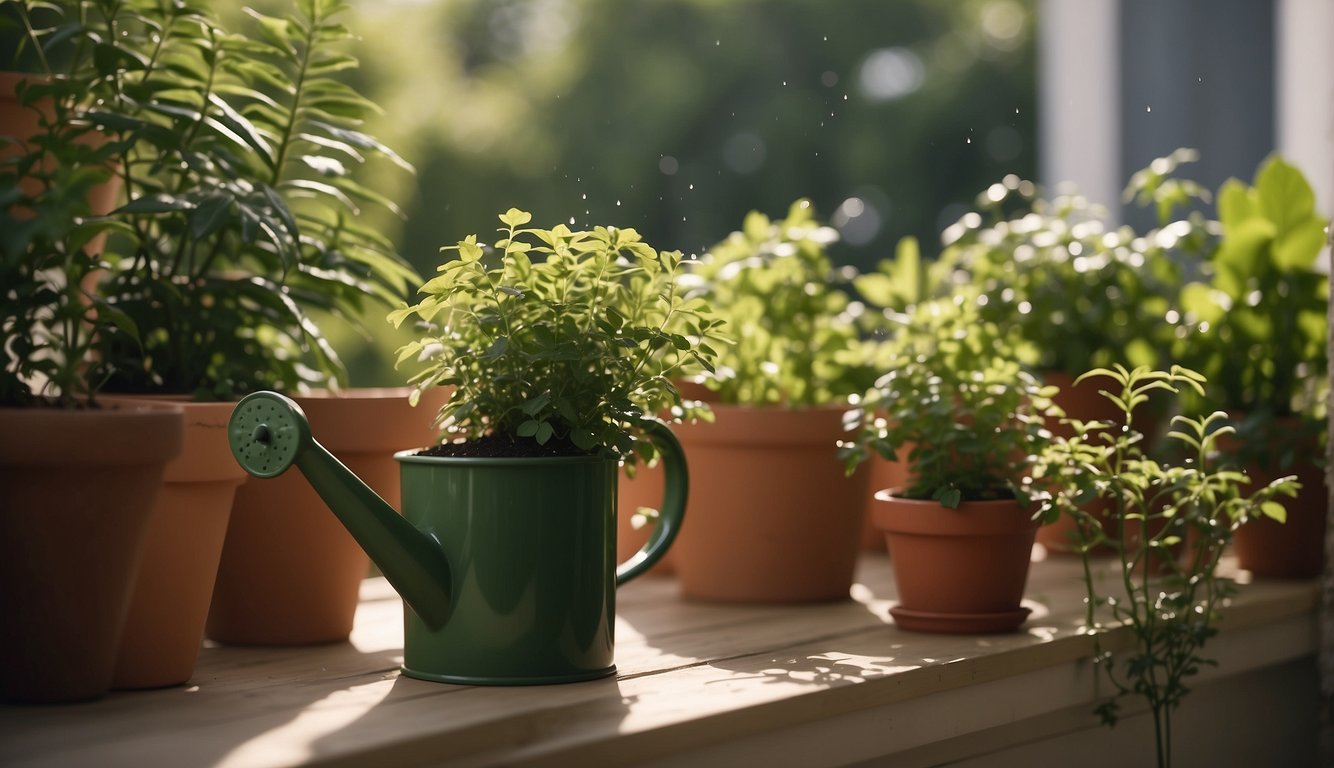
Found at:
(504, 446)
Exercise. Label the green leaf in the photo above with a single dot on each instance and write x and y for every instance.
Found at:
(528, 428)
(154, 204)
(209, 216)
(497, 349)
(949, 497)
(515, 217)
(1285, 197)
(1275, 511)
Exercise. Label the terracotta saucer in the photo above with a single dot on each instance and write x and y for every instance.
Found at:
(959, 623)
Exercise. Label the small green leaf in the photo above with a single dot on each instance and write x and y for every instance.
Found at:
(515, 217)
(1275, 511)
(949, 497)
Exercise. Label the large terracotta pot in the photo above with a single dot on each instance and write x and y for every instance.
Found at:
(290, 572)
(645, 490)
(76, 495)
(1294, 549)
(171, 597)
(773, 517)
(642, 490)
(958, 571)
(882, 474)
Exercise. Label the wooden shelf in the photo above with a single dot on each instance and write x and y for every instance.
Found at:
(694, 679)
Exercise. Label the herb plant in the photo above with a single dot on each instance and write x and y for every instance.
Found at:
(1080, 291)
(788, 308)
(970, 417)
(239, 155)
(1255, 322)
(50, 327)
(1172, 523)
(565, 338)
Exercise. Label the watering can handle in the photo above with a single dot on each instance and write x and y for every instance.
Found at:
(671, 512)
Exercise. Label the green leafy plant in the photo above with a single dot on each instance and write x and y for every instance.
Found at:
(239, 154)
(1081, 291)
(1255, 322)
(559, 338)
(50, 327)
(968, 415)
(1172, 523)
(788, 307)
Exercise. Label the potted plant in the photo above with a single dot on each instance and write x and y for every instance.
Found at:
(77, 478)
(970, 420)
(1254, 323)
(1081, 292)
(1172, 523)
(893, 289)
(773, 518)
(238, 157)
(560, 347)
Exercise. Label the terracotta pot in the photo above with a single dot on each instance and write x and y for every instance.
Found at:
(643, 490)
(772, 518)
(883, 474)
(1084, 403)
(23, 122)
(180, 562)
(290, 572)
(958, 571)
(1294, 549)
(76, 494)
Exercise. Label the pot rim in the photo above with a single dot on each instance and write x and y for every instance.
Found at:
(898, 515)
(410, 456)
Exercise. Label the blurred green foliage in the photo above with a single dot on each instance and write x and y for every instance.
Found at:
(676, 117)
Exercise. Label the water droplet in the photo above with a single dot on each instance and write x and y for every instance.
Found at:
(826, 38)
(968, 140)
(571, 221)
(1148, 109)
(692, 186)
(717, 42)
(584, 196)
(618, 202)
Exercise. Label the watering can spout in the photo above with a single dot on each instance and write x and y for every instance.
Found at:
(269, 433)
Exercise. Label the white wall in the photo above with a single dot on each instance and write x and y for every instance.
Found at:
(1079, 98)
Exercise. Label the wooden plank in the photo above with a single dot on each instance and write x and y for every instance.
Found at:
(691, 674)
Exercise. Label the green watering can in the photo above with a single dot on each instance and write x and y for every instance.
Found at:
(507, 566)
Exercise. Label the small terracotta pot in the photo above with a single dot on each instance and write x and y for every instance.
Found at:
(773, 517)
(958, 571)
(180, 563)
(290, 573)
(76, 495)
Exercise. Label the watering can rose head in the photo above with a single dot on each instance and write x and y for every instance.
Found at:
(564, 338)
